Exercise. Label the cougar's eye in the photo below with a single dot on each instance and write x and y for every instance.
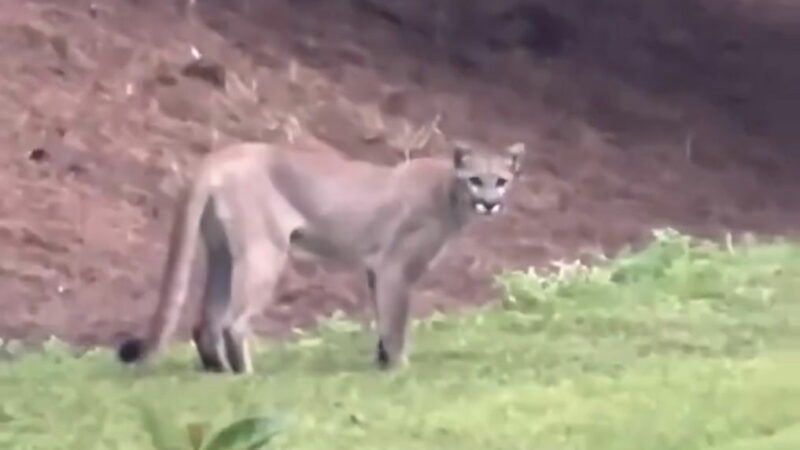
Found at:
(501, 182)
(475, 181)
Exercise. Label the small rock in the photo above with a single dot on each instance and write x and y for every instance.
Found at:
(38, 155)
(76, 168)
(207, 71)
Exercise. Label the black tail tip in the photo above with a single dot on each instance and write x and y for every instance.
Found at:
(131, 350)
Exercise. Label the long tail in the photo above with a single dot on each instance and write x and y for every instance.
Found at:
(177, 273)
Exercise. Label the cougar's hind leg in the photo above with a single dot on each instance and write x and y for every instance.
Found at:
(260, 229)
(208, 334)
(237, 349)
(254, 281)
(209, 349)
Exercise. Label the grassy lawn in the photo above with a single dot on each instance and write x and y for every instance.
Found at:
(683, 345)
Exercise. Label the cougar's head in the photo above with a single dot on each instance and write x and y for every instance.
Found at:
(484, 176)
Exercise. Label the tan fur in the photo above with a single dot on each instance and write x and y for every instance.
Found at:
(252, 203)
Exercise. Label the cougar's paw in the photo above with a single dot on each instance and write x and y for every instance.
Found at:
(382, 356)
(387, 362)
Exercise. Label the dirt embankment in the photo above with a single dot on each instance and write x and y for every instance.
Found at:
(639, 114)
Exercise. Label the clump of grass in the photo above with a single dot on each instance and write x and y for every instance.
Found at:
(685, 344)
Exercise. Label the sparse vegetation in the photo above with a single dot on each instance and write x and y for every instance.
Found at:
(251, 433)
(684, 345)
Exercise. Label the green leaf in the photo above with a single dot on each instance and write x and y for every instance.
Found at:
(246, 434)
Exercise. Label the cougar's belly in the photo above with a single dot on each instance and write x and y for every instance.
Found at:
(333, 247)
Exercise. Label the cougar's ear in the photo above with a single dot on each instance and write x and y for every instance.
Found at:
(461, 154)
(515, 153)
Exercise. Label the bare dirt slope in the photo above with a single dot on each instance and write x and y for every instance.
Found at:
(639, 114)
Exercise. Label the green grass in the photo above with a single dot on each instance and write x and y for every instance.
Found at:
(683, 345)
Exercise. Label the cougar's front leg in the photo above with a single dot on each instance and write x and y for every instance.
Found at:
(390, 290)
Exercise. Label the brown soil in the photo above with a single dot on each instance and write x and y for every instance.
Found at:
(639, 114)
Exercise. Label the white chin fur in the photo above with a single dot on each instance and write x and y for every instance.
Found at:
(482, 209)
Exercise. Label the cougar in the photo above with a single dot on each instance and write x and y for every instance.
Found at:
(252, 203)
